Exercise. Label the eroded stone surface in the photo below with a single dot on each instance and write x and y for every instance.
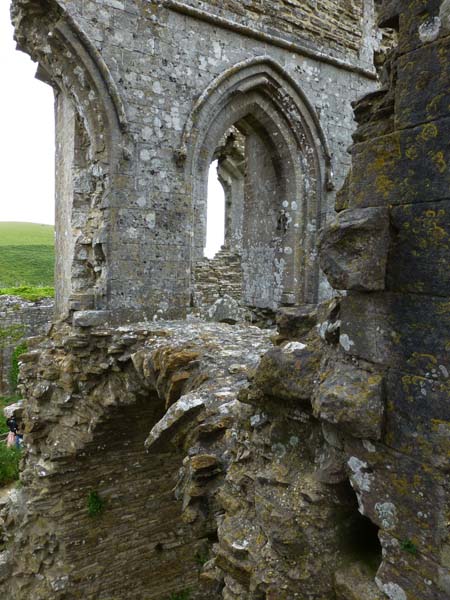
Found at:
(293, 487)
(354, 249)
(97, 397)
(352, 399)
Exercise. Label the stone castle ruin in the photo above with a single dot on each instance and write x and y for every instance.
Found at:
(169, 457)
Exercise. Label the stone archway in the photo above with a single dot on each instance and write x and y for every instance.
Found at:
(286, 176)
(91, 139)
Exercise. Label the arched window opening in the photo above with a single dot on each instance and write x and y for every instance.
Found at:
(231, 161)
(273, 164)
(246, 235)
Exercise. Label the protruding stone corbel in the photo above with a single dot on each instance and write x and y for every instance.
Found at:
(353, 249)
(353, 400)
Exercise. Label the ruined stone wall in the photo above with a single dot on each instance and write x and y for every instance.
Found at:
(98, 515)
(327, 476)
(19, 320)
(137, 73)
(216, 277)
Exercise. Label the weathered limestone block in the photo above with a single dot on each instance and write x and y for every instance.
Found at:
(342, 199)
(295, 322)
(172, 370)
(353, 249)
(352, 399)
(330, 465)
(420, 24)
(177, 414)
(226, 310)
(90, 318)
(415, 575)
(428, 99)
(398, 330)
(288, 373)
(375, 116)
(406, 166)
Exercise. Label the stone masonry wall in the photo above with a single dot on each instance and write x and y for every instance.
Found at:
(19, 320)
(216, 277)
(332, 24)
(223, 466)
(134, 72)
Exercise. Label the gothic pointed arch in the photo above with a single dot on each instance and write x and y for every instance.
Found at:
(258, 97)
(91, 140)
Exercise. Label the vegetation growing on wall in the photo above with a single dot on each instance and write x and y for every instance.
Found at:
(11, 334)
(9, 464)
(95, 504)
(27, 292)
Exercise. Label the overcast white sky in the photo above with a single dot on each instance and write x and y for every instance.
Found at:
(27, 143)
(27, 135)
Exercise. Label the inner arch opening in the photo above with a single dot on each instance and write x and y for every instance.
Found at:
(255, 169)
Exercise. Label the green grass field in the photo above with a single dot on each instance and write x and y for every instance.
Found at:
(26, 234)
(27, 255)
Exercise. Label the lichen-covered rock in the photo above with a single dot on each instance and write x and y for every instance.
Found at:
(183, 409)
(295, 322)
(354, 248)
(226, 310)
(352, 399)
(288, 373)
(94, 396)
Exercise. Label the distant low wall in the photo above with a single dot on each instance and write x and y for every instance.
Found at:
(19, 319)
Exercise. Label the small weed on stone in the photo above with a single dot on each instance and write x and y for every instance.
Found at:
(409, 546)
(95, 504)
(183, 595)
(9, 464)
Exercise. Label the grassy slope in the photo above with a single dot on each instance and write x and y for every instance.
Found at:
(27, 254)
(26, 234)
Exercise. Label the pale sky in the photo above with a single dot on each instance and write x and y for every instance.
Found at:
(27, 135)
(27, 148)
